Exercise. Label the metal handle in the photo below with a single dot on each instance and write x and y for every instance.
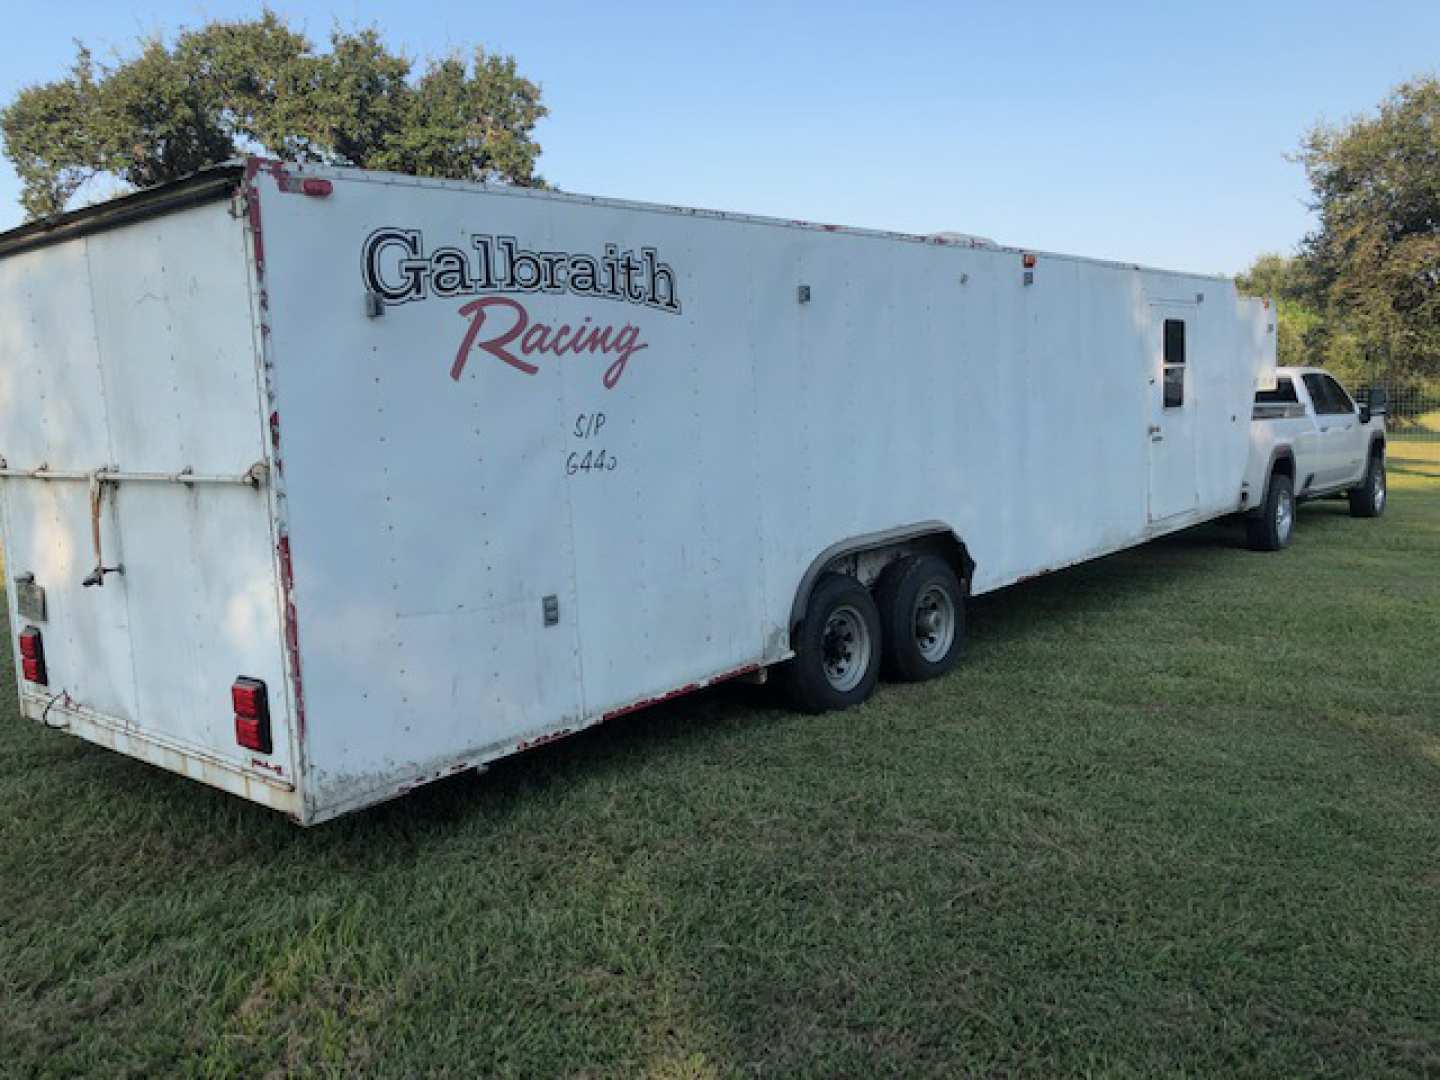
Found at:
(252, 477)
(97, 576)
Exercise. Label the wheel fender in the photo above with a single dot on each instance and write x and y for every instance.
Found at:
(946, 538)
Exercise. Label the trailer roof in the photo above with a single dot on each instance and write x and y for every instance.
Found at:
(218, 182)
(207, 185)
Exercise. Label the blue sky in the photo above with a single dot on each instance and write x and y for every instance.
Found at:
(1148, 132)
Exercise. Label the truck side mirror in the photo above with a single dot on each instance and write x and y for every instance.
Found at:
(1378, 401)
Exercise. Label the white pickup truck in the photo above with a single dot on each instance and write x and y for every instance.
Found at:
(1309, 439)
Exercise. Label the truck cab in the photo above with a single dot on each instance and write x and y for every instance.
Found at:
(1310, 439)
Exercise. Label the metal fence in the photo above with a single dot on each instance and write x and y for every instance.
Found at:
(1414, 411)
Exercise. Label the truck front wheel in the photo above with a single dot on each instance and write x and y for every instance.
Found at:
(1272, 527)
(1368, 500)
(837, 647)
(922, 614)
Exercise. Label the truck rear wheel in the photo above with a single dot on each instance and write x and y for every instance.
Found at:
(1272, 527)
(837, 647)
(922, 618)
(1368, 500)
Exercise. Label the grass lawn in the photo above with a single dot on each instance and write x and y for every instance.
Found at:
(1177, 811)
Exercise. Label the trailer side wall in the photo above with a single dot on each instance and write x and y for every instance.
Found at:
(495, 544)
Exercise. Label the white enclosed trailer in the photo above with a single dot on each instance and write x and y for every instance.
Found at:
(320, 484)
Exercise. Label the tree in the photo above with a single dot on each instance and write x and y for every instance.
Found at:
(256, 85)
(1375, 259)
(1300, 331)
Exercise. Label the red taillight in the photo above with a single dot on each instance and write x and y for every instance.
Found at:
(316, 187)
(1028, 261)
(252, 714)
(32, 656)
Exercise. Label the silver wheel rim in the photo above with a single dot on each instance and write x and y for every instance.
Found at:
(845, 649)
(1284, 516)
(934, 623)
(1377, 485)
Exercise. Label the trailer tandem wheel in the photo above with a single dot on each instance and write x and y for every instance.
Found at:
(837, 647)
(922, 618)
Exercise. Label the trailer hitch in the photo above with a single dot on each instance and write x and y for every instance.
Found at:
(98, 481)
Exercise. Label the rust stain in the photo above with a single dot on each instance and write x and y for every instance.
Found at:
(275, 441)
(688, 688)
(254, 166)
(252, 208)
(292, 628)
(541, 740)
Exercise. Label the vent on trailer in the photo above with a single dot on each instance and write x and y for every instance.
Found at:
(252, 714)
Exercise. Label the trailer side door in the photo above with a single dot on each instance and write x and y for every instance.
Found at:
(1172, 475)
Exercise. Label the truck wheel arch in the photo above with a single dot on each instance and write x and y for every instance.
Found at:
(1282, 461)
(932, 536)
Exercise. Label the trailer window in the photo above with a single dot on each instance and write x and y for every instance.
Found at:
(1174, 363)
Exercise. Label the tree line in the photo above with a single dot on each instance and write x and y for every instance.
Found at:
(1361, 295)
(257, 85)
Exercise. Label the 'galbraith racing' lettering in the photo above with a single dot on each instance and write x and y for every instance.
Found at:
(397, 268)
(510, 343)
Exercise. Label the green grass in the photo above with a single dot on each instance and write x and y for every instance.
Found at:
(1425, 425)
(1178, 811)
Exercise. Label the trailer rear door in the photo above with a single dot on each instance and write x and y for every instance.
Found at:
(136, 509)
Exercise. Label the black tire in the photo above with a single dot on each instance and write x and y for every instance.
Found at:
(1368, 500)
(818, 678)
(922, 618)
(1272, 528)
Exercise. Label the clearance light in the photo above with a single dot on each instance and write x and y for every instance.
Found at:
(252, 714)
(32, 656)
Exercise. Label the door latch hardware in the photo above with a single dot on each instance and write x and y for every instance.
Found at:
(97, 576)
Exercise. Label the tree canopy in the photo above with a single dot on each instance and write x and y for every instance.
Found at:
(256, 85)
(1363, 292)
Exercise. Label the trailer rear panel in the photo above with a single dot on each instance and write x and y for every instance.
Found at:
(130, 404)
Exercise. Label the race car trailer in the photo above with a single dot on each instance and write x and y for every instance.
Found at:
(319, 484)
